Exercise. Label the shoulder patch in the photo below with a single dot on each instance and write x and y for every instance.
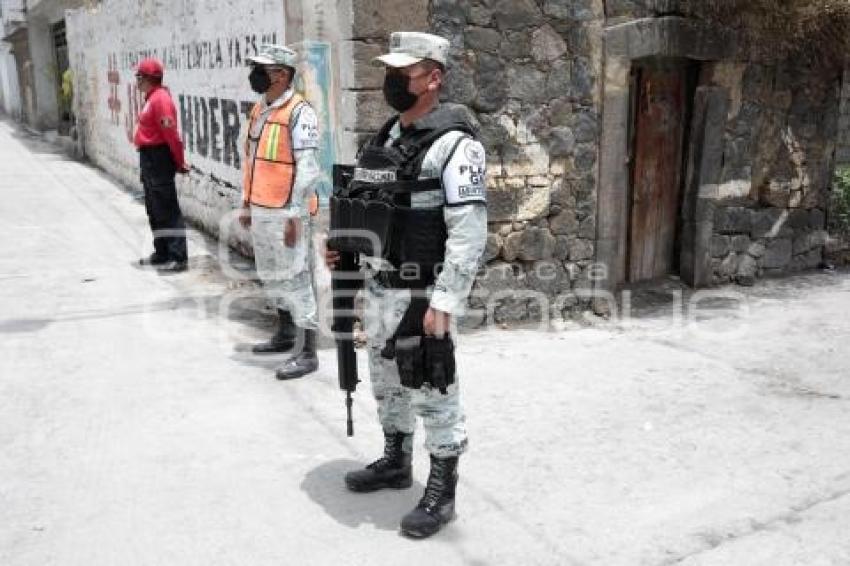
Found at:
(464, 177)
(474, 153)
(305, 130)
(166, 122)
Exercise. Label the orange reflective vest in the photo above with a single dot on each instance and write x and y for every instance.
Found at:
(268, 177)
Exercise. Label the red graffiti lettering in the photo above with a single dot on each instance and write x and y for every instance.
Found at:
(134, 108)
(114, 80)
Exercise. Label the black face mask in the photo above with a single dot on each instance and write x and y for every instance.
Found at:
(259, 79)
(397, 93)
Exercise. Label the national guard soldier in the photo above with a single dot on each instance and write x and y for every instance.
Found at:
(281, 170)
(420, 181)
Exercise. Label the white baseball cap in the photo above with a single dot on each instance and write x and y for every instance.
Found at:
(411, 47)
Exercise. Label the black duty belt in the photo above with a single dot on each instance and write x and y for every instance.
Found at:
(394, 280)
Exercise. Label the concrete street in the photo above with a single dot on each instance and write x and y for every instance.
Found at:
(132, 434)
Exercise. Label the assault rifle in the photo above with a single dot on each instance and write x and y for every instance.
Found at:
(346, 281)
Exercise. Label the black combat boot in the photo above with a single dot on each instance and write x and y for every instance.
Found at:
(392, 471)
(283, 339)
(303, 362)
(437, 506)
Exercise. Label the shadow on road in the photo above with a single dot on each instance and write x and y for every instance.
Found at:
(263, 361)
(35, 142)
(23, 325)
(382, 509)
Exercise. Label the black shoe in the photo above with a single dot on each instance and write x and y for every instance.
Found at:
(437, 506)
(283, 339)
(173, 266)
(303, 362)
(392, 471)
(152, 261)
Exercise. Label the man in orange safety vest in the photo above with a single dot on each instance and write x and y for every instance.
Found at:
(281, 169)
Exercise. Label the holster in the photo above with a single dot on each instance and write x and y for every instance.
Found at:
(439, 354)
(426, 360)
(410, 361)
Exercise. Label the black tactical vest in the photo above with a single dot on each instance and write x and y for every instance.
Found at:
(371, 210)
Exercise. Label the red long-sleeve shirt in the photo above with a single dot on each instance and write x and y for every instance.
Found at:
(157, 125)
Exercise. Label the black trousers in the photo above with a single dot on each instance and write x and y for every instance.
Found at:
(161, 204)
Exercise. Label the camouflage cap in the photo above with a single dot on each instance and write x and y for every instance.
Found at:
(410, 47)
(274, 55)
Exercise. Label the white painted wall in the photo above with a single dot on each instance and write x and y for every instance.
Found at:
(41, 16)
(9, 82)
(203, 45)
(43, 59)
(12, 14)
(13, 10)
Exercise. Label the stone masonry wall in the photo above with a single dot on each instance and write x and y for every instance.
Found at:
(370, 23)
(530, 70)
(777, 167)
(842, 151)
(838, 246)
(770, 203)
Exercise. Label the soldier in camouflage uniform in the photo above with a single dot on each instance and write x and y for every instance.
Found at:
(281, 170)
(451, 169)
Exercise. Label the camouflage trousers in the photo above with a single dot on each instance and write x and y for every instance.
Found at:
(286, 272)
(442, 415)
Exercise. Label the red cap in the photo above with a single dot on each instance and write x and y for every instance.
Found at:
(149, 68)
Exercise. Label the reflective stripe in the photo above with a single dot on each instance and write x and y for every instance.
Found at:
(272, 143)
(276, 145)
(267, 150)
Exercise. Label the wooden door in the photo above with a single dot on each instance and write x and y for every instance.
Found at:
(658, 130)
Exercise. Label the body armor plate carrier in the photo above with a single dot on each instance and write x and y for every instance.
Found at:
(371, 212)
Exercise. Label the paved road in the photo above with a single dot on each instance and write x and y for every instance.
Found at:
(132, 434)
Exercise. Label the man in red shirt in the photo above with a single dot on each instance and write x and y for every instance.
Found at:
(161, 158)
